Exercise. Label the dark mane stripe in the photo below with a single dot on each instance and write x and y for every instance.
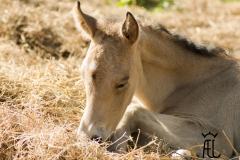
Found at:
(200, 49)
(206, 50)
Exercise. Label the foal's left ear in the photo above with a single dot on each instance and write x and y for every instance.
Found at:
(84, 22)
(130, 28)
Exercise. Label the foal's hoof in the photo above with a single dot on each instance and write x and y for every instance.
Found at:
(116, 149)
(182, 153)
(119, 151)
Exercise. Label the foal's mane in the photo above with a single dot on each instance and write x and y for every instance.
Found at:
(207, 50)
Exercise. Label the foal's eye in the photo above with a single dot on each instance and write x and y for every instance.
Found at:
(123, 82)
(122, 85)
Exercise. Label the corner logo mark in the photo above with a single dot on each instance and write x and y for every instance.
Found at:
(207, 147)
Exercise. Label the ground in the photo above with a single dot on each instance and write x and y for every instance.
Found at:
(41, 92)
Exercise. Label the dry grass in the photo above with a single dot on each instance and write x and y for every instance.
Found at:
(41, 92)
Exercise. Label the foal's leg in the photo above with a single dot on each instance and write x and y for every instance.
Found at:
(180, 133)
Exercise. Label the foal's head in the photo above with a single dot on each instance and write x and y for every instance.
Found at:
(110, 71)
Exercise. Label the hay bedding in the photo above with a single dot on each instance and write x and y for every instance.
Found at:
(41, 93)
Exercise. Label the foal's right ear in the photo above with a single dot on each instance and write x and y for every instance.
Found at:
(84, 22)
(130, 28)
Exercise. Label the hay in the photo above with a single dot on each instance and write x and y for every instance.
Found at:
(41, 93)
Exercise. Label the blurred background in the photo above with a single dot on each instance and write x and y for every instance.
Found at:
(46, 27)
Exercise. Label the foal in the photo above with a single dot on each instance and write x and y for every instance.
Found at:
(184, 90)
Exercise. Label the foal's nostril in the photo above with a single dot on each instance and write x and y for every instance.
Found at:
(96, 138)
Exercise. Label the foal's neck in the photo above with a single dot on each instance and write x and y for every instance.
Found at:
(167, 65)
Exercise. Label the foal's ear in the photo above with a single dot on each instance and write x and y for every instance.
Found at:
(84, 22)
(130, 28)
